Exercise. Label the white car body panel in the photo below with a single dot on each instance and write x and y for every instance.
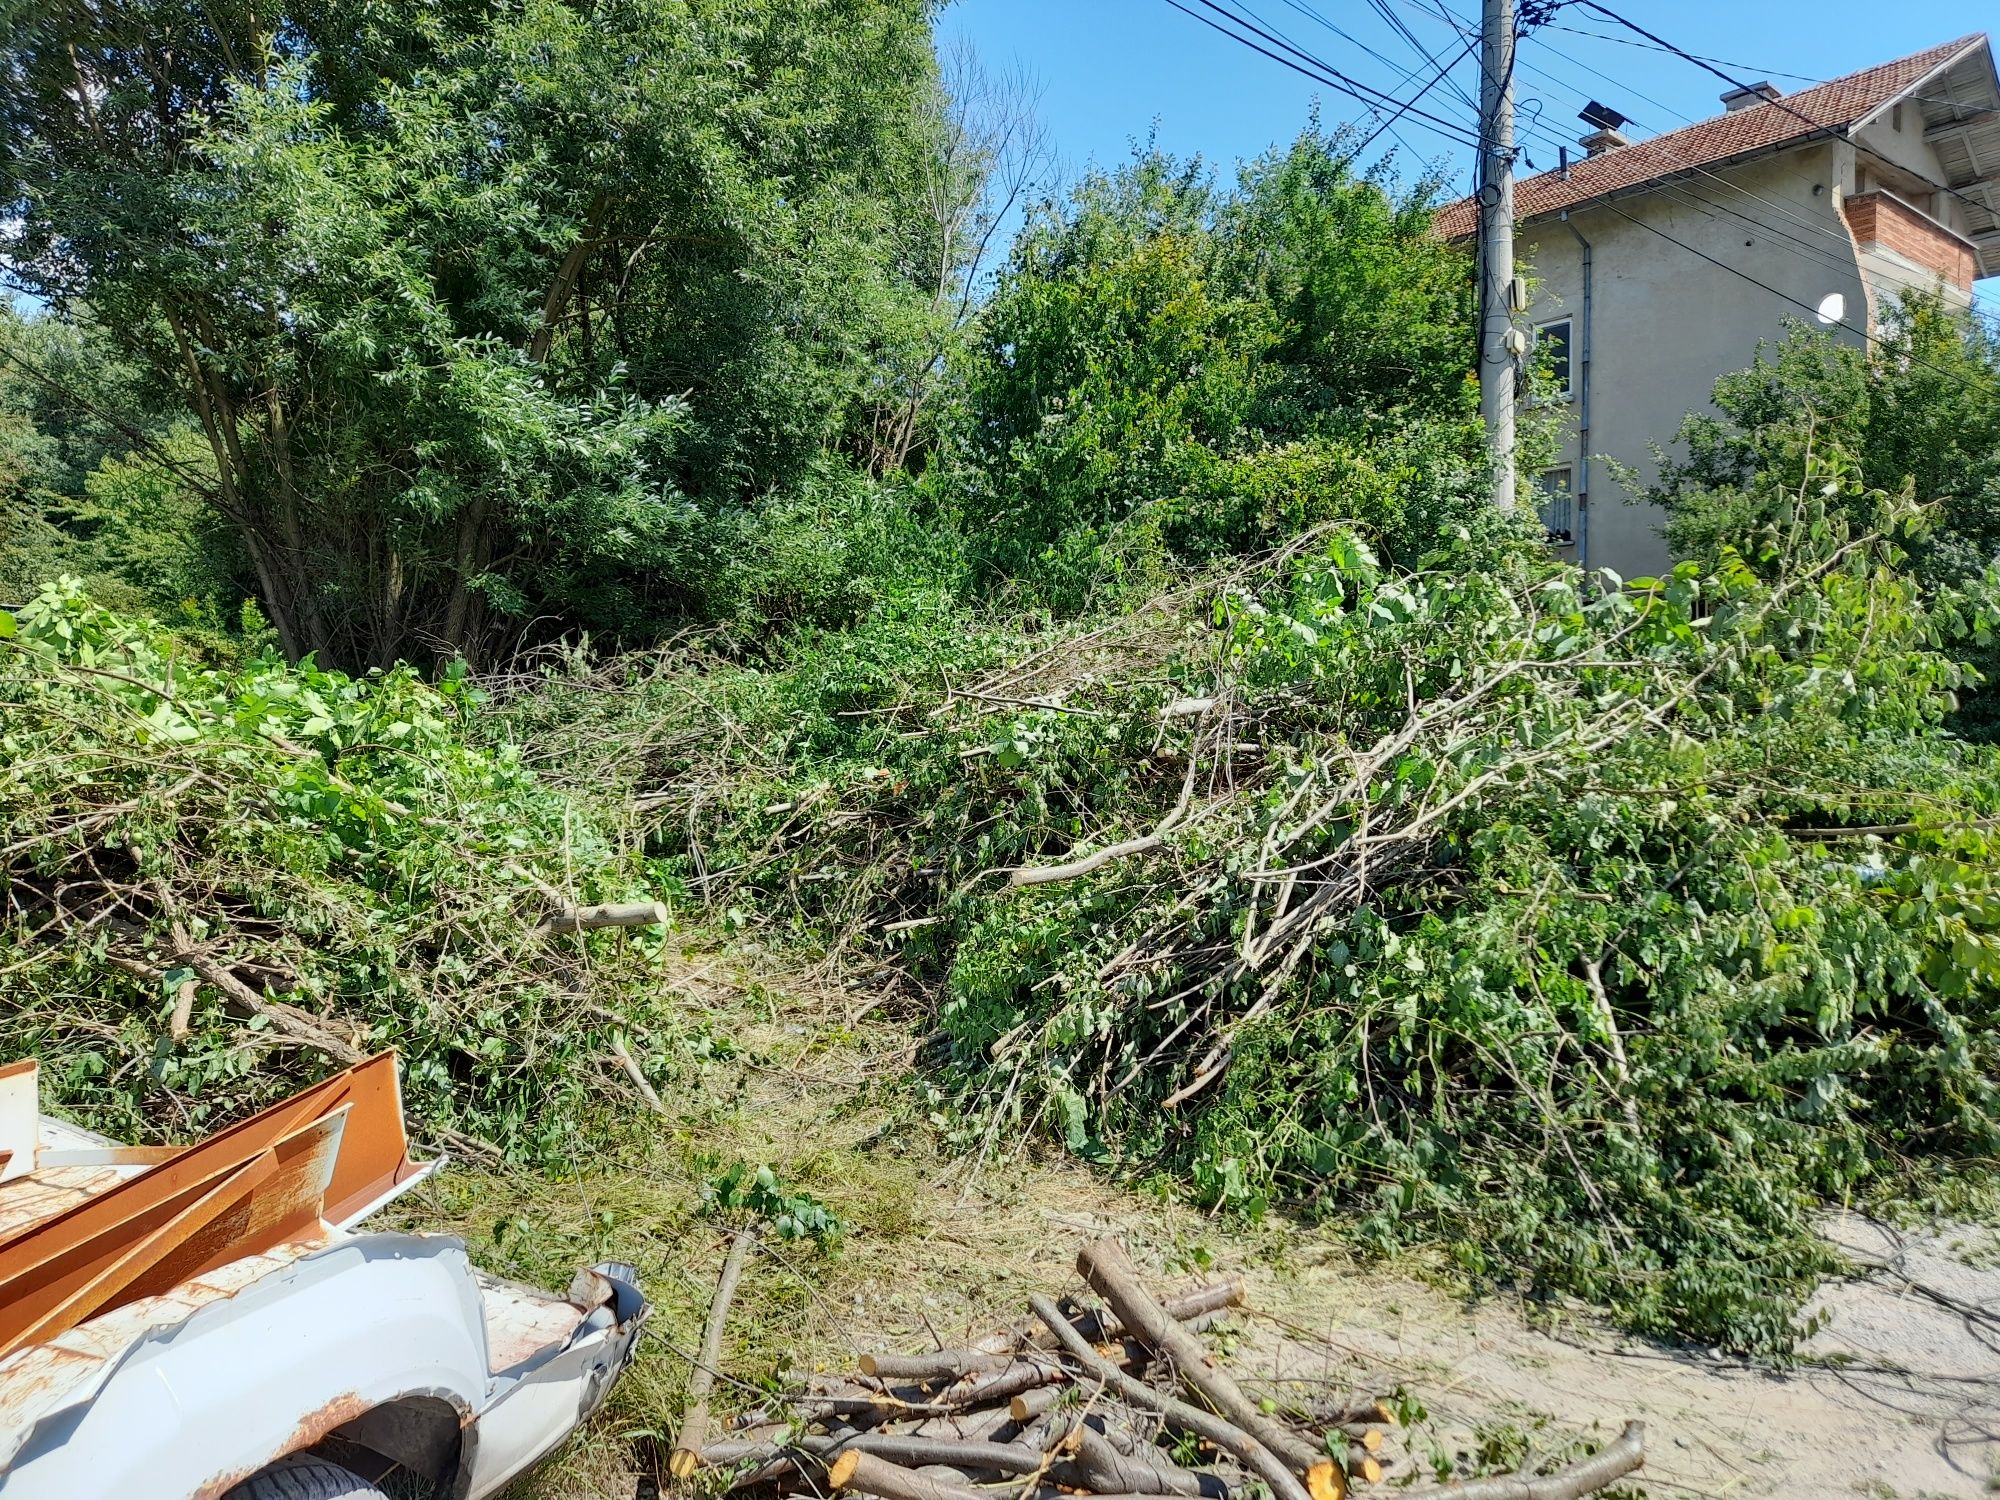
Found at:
(187, 1394)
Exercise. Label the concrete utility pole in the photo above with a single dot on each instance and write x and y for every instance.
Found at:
(1500, 344)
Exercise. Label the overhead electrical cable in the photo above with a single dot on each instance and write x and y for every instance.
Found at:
(1766, 286)
(1321, 72)
(1627, 41)
(1734, 82)
(1407, 75)
(1443, 69)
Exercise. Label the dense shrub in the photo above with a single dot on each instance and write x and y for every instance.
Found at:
(1916, 412)
(489, 314)
(333, 845)
(1152, 340)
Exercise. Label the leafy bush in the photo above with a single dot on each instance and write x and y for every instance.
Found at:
(317, 865)
(1158, 352)
(1601, 936)
(1916, 412)
(1919, 407)
(498, 313)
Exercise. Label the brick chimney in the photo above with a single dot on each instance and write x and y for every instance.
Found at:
(1600, 141)
(1749, 94)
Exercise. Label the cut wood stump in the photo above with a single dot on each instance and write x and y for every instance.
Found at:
(868, 1475)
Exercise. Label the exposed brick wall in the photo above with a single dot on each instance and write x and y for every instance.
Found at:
(1877, 219)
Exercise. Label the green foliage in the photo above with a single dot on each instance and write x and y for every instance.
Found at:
(1918, 411)
(330, 843)
(1153, 338)
(757, 1192)
(486, 314)
(1918, 408)
(97, 481)
(1490, 910)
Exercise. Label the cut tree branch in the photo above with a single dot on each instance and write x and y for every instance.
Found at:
(686, 1457)
(1220, 1431)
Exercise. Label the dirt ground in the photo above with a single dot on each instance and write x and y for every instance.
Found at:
(1899, 1395)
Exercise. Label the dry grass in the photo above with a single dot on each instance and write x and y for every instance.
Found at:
(933, 1254)
(932, 1251)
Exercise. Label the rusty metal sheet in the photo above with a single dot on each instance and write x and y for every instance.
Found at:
(328, 1152)
(186, 1229)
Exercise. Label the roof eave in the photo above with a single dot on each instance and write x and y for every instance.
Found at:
(1682, 174)
(1973, 44)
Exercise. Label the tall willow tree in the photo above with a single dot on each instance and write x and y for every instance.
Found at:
(485, 311)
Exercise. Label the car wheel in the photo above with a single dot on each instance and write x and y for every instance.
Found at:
(304, 1478)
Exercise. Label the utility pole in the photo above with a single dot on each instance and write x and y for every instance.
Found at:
(1500, 343)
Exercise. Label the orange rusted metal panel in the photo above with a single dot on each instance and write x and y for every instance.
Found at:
(327, 1152)
(240, 1209)
(70, 1295)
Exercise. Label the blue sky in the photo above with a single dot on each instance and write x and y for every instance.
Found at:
(1112, 71)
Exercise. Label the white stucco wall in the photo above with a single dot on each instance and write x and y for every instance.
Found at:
(1666, 323)
(1898, 139)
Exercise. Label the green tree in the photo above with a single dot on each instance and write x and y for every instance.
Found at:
(101, 479)
(1158, 347)
(482, 312)
(1920, 408)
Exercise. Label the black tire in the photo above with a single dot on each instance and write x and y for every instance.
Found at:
(304, 1478)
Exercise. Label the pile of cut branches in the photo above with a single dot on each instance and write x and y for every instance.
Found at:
(1596, 933)
(219, 880)
(1124, 1400)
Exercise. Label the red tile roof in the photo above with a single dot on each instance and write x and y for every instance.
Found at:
(1830, 106)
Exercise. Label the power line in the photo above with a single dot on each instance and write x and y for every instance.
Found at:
(1830, 259)
(1376, 117)
(1766, 286)
(1818, 255)
(1625, 41)
(1659, 142)
(1396, 25)
(1840, 257)
(1314, 14)
(1321, 72)
(1443, 69)
(1736, 83)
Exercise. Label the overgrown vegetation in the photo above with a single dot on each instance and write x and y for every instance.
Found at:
(223, 879)
(1123, 669)
(1457, 901)
(1168, 372)
(476, 318)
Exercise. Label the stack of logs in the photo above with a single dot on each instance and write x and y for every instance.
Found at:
(1080, 1402)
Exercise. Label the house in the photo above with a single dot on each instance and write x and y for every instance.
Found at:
(1652, 267)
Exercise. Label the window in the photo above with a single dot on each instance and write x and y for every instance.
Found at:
(1557, 504)
(1552, 355)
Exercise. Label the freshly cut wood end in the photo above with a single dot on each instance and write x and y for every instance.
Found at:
(868, 1365)
(1325, 1481)
(1366, 1467)
(841, 1474)
(683, 1462)
(1020, 1409)
(1368, 1438)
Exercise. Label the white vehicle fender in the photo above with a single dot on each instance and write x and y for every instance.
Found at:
(194, 1406)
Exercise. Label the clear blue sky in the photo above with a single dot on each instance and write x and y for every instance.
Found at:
(1112, 71)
